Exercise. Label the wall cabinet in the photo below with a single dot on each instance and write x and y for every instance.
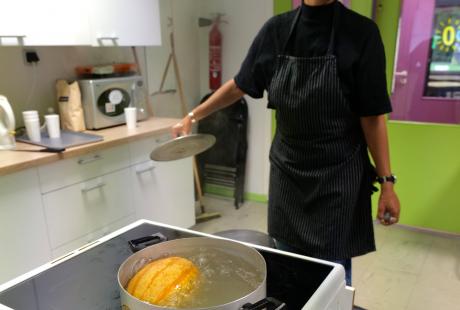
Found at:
(83, 22)
(124, 22)
(49, 211)
(13, 28)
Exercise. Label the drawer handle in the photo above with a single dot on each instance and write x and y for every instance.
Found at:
(113, 38)
(84, 161)
(142, 171)
(91, 188)
(13, 36)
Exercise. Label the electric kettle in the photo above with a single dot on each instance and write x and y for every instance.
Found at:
(7, 125)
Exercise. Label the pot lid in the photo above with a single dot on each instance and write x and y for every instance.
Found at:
(182, 147)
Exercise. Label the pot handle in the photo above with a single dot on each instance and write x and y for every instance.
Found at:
(141, 243)
(268, 303)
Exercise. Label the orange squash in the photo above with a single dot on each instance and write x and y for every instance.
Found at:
(164, 282)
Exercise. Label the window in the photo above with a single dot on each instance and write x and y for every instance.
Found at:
(443, 74)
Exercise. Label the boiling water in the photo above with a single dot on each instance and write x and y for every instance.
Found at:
(223, 278)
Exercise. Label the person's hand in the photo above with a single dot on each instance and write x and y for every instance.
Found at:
(183, 128)
(388, 203)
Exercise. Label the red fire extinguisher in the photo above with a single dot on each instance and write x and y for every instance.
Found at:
(215, 55)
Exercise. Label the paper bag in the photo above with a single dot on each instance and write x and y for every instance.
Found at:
(70, 108)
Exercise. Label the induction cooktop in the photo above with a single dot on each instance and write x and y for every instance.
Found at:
(87, 278)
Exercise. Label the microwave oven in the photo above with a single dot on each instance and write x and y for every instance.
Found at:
(104, 100)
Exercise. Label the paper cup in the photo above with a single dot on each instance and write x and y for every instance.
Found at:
(53, 126)
(33, 129)
(131, 117)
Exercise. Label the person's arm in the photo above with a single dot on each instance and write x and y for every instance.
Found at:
(225, 96)
(375, 131)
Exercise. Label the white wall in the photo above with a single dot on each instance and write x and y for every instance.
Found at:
(185, 16)
(17, 78)
(245, 18)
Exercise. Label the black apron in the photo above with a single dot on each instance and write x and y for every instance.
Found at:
(320, 176)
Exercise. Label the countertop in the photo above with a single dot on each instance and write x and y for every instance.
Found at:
(11, 161)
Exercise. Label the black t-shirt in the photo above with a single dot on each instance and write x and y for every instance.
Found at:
(358, 48)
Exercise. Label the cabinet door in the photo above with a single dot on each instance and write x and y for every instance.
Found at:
(75, 170)
(14, 22)
(58, 22)
(23, 238)
(163, 192)
(44, 22)
(125, 22)
(78, 210)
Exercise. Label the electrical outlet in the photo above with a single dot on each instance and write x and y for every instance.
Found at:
(30, 57)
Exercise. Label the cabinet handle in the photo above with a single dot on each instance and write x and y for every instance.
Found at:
(91, 188)
(148, 169)
(12, 36)
(85, 161)
(108, 38)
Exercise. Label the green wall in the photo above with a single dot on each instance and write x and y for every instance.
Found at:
(363, 7)
(281, 6)
(426, 157)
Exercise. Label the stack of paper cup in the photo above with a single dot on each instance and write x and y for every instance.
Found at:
(32, 123)
(53, 126)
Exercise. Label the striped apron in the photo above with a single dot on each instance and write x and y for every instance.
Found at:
(320, 175)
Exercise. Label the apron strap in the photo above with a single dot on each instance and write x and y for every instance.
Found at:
(291, 30)
(335, 23)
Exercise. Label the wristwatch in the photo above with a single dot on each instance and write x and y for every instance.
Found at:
(391, 178)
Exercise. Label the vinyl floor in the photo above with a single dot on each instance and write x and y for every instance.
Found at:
(411, 270)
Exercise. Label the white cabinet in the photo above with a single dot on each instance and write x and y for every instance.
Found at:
(83, 208)
(57, 22)
(13, 22)
(82, 22)
(23, 237)
(51, 210)
(74, 170)
(44, 22)
(163, 192)
(125, 22)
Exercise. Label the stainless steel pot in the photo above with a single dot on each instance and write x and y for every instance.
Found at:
(179, 246)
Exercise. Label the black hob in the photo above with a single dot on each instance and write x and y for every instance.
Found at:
(89, 280)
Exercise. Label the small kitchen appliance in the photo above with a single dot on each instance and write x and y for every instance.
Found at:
(7, 125)
(104, 100)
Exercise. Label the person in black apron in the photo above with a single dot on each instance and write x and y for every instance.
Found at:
(323, 67)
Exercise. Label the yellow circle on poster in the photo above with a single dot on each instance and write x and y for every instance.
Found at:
(448, 36)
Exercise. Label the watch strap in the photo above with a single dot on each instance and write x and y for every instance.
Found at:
(383, 179)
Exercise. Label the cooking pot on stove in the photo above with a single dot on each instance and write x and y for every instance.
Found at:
(202, 251)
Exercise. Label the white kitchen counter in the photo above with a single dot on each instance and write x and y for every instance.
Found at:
(11, 161)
